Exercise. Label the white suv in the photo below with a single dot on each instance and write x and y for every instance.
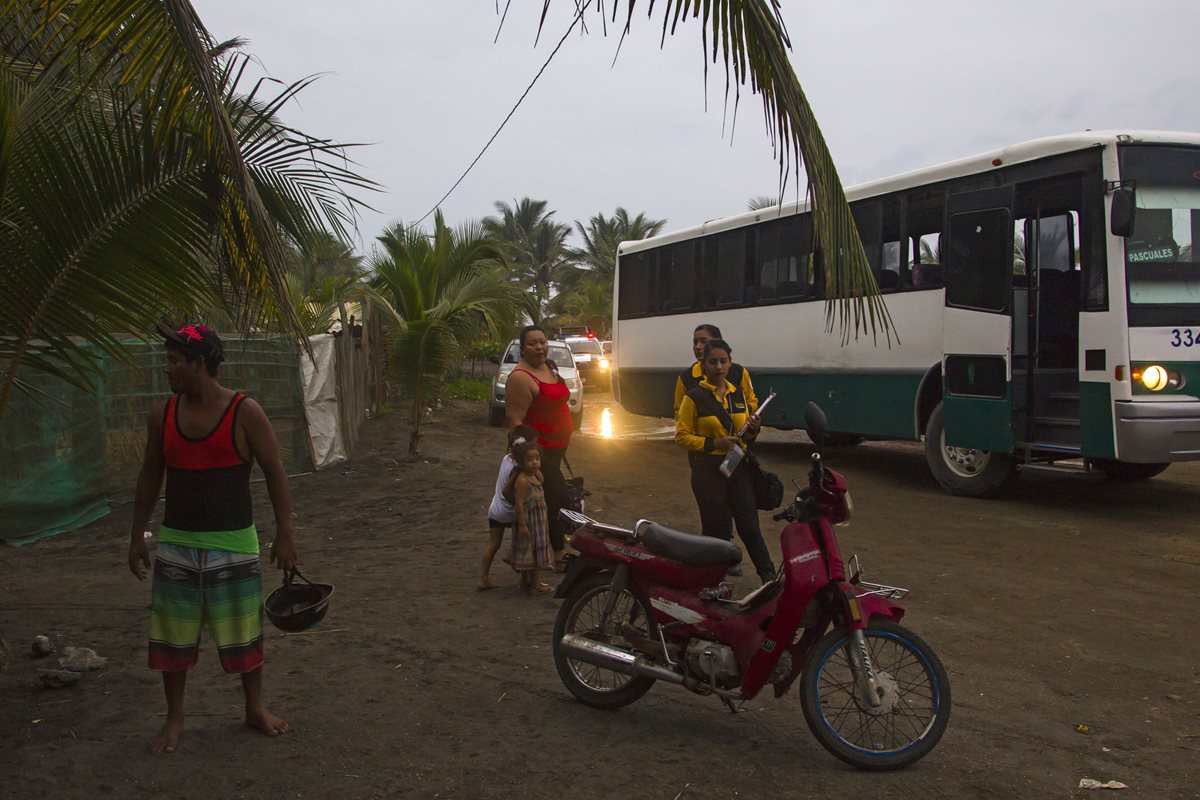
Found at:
(593, 364)
(560, 354)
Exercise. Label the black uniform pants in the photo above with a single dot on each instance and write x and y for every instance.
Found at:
(557, 494)
(724, 502)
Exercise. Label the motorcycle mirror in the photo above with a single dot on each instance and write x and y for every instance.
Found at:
(815, 423)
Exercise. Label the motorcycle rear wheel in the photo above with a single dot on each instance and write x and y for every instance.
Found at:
(916, 707)
(580, 614)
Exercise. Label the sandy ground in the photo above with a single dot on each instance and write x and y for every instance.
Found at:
(1070, 604)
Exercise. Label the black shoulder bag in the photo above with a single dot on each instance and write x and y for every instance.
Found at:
(768, 488)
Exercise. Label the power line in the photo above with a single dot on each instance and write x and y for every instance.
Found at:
(578, 16)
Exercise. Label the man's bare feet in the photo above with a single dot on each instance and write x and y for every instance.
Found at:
(266, 722)
(168, 737)
(484, 583)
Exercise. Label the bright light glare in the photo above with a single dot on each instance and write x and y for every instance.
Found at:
(604, 363)
(1155, 378)
(606, 426)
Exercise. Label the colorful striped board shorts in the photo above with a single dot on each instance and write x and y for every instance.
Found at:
(193, 587)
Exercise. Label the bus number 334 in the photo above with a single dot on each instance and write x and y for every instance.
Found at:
(1184, 338)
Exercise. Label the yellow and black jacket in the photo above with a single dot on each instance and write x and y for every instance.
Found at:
(697, 426)
(738, 375)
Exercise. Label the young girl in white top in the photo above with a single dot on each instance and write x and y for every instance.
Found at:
(500, 512)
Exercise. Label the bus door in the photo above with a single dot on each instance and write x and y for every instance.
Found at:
(977, 334)
(1046, 342)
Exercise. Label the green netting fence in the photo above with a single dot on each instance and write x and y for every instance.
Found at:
(71, 454)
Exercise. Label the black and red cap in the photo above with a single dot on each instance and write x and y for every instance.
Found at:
(196, 338)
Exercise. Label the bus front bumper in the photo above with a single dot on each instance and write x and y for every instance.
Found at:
(1158, 433)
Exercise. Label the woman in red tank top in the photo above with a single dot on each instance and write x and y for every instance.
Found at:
(537, 396)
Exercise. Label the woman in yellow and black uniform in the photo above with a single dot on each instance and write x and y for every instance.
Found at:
(709, 418)
(691, 376)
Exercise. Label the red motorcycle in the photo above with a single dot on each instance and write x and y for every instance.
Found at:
(651, 604)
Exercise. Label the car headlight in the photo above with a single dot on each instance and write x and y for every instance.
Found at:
(572, 383)
(501, 380)
(603, 363)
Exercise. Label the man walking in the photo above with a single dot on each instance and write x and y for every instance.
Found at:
(204, 439)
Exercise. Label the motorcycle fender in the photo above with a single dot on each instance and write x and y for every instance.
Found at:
(873, 605)
(578, 569)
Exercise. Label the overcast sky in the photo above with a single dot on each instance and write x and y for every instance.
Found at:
(896, 85)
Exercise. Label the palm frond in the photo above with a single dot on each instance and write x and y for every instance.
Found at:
(749, 38)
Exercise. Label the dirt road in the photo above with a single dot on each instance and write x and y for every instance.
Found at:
(1070, 604)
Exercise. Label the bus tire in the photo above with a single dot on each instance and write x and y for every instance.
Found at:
(1126, 471)
(963, 471)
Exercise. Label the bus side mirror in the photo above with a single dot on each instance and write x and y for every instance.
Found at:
(1121, 221)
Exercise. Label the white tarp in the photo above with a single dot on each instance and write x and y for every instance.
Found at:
(321, 403)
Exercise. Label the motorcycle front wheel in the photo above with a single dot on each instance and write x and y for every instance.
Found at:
(915, 695)
(581, 614)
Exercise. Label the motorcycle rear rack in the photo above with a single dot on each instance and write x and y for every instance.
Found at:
(600, 528)
(882, 589)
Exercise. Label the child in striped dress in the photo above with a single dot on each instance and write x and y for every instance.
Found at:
(531, 524)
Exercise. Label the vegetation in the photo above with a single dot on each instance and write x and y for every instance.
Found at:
(475, 388)
(534, 245)
(177, 194)
(442, 292)
(172, 192)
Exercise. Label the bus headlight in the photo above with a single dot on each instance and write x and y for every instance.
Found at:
(1156, 378)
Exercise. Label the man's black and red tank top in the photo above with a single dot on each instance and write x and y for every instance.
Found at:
(208, 480)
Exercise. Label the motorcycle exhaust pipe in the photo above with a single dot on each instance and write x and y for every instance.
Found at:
(592, 652)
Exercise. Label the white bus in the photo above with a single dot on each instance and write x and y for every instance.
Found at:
(1046, 297)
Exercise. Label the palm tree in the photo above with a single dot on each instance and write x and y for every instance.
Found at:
(591, 304)
(603, 235)
(170, 190)
(442, 292)
(534, 245)
(761, 201)
(749, 36)
(323, 256)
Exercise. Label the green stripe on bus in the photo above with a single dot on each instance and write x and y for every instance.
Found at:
(868, 403)
(1096, 419)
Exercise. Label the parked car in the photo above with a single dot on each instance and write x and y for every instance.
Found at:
(594, 366)
(562, 357)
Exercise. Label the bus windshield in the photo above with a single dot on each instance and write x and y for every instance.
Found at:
(1161, 266)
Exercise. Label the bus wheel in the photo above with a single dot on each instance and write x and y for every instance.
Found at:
(1125, 471)
(962, 470)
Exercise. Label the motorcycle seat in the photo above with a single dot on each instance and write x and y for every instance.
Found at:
(688, 548)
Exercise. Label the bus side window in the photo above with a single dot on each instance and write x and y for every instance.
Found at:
(635, 284)
(889, 273)
(978, 242)
(923, 213)
(660, 301)
(768, 256)
(731, 268)
(868, 218)
(797, 275)
(683, 275)
(927, 266)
